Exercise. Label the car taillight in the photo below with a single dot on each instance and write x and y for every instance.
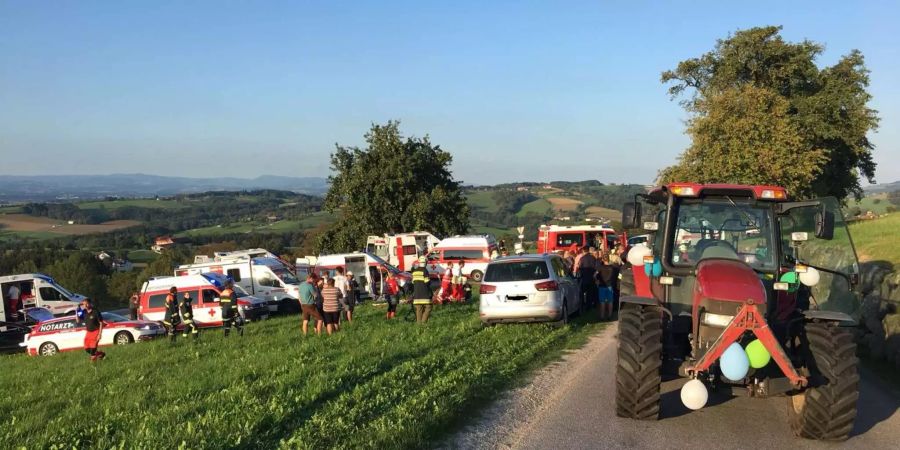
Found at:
(487, 289)
(547, 286)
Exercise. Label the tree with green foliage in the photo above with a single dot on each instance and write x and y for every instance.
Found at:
(394, 184)
(83, 273)
(763, 112)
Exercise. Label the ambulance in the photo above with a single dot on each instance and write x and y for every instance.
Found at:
(557, 238)
(204, 290)
(62, 334)
(367, 270)
(265, 277)
(475, 250)
(37, 290)
(403, 249)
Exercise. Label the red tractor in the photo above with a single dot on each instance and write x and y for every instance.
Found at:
(739, 288)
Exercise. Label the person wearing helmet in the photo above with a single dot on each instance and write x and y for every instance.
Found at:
(171, 319)
(421, 291)
(187, 317)
(230, 317)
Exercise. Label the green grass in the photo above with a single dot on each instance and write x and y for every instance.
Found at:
(141, 256)
(539, 206)
(878, 239)
(376, 384)
(139, 202)
(218, 230)
(868, 203)
(12, 209)
(11, 236)
(482, 200)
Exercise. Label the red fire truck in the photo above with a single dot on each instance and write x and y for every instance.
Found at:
(554, 238)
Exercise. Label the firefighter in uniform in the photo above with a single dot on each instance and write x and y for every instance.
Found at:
(230, 317)
(187, 316)
(421, 292)
(171, 319)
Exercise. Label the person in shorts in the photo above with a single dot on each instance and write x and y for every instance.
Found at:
(605, 277)
(391, 295)
(331, 305)
(348, 303)
(308, 310)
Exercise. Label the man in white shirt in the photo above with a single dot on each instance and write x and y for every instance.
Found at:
(13, 295)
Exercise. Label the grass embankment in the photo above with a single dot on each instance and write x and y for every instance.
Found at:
(377, 384)
(878, 239)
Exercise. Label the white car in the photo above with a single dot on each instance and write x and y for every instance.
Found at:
(528, 288)
(65, 333)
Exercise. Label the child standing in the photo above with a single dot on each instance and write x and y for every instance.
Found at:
(605, 277)
(392, 295)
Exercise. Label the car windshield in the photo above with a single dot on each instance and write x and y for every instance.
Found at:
(113, 317)
(516, 271)
(724, 228)
(286, 276)
(239, 291)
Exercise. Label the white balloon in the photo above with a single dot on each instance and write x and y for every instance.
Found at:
(637, 253)
(694, 394)
(810, 277)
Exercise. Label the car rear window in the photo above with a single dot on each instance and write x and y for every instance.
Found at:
(516, 271)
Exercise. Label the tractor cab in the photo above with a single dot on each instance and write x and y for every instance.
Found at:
(739, 287)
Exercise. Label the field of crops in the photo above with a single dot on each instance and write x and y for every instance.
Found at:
(876, 240)
(377, 384)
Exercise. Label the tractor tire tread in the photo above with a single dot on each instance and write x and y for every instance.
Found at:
(638, 364)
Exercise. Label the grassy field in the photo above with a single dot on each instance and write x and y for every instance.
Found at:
(539, 206)
(483, 200)
(376, 384)
(877, 240)
(877, 203)
(564, 204)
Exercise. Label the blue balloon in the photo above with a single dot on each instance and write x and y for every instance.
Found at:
(657, 268)
(734, 363)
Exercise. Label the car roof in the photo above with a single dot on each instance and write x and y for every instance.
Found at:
(527, 257)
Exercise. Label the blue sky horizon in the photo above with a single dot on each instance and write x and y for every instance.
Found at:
(516, 91)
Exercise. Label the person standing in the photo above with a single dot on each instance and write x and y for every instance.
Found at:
(93, 324)
(606, 275)
(187, 317)
(13, 296)
(340, 282)
(348, 304)
(391, 295)
(447, 283)
(230, 316)
(171, 319)
(585, 267)
(133, 304)
(421, 291)
(309, 294)
(458, 280)
(331, 298)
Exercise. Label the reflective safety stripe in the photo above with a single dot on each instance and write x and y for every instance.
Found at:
(422, 302)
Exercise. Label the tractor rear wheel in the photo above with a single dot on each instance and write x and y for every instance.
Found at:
(826, 410)
(639, 361)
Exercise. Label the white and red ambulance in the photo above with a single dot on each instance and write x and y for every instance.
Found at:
(62, 334)
(401, 249)
(204, 290)
(367, 270)
(475, 250)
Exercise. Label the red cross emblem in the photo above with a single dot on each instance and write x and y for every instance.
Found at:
(212, 312)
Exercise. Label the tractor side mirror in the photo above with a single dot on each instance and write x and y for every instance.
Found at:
(631, 215)
(824, 224)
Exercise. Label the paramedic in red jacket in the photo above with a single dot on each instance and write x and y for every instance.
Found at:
(93, 324)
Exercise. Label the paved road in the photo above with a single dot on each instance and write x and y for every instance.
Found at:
(571, 405)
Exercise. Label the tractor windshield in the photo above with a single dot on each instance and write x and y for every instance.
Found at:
(724, 228)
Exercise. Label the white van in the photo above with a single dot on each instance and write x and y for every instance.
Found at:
(37, 290)
(204, 291)
(475, 250)
(366, 268)
(264, 277)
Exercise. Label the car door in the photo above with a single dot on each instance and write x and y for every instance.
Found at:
(11, 335)
(568, 284)
(68, 335)
(209, 311)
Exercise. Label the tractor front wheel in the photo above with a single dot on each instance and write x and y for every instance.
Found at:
(639, 361)
(827, 408)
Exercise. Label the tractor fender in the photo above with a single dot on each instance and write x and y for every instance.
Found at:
(831, 316)
(646, 301)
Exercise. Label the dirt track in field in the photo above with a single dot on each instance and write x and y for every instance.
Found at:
(23, 222)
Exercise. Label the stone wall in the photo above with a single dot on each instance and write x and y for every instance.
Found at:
(879, 330)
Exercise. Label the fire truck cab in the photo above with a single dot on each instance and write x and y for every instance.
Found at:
(403, 249)
(553, 238)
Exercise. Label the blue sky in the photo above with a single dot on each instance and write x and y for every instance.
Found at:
(514, 90)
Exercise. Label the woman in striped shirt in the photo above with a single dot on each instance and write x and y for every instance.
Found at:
(331, 304)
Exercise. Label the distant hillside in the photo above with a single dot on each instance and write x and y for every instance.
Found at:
(18, 188)
(882, 187)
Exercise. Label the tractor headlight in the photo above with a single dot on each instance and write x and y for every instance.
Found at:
(716, 320)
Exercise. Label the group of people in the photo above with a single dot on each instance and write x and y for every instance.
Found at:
(329, 301)
(453, 283)
(179, 311)
(598, 273)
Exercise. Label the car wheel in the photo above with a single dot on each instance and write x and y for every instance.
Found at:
(123, 338)
(476, 276)
(48, 349)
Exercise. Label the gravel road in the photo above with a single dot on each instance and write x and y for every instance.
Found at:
(570, 405)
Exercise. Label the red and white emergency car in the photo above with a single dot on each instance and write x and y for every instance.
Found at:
(65, 333)
(557, 238)
(475, 250)
(402, 249)
(204, 290)
(367, 270)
